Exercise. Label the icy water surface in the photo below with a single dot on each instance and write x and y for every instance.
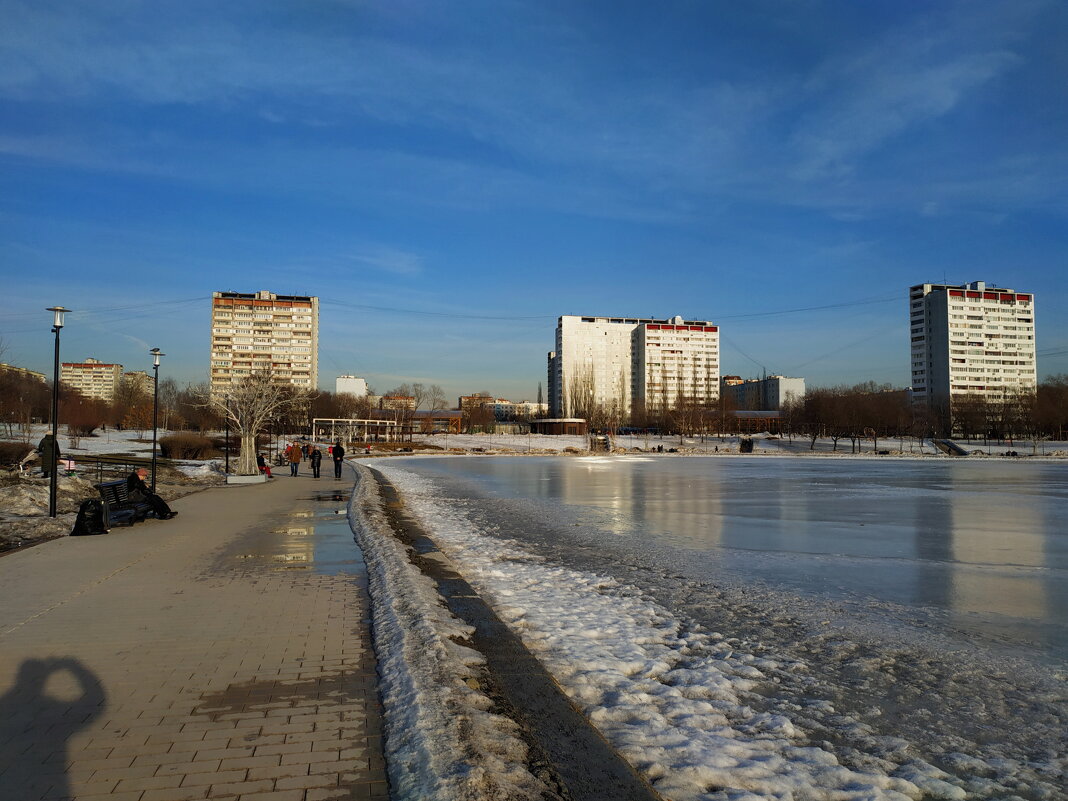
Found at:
(904, 620)
(984, 541)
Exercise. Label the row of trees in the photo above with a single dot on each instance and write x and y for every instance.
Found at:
(861, 412)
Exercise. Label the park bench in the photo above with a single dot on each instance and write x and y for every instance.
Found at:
(119, 508)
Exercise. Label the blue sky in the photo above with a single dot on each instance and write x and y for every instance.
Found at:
(450, 177)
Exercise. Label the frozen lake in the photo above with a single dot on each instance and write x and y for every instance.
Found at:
(909, 616)
(985, 541)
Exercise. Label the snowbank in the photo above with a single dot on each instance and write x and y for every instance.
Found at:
(675, 701)
(441, 742)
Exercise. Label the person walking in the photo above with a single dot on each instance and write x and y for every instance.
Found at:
(50, 454)
(294, 458)
(316, 459)
(339, 455)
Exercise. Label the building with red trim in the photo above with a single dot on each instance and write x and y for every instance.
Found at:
(973, 339)
(92, 378)
(628, 364)
(264, 332)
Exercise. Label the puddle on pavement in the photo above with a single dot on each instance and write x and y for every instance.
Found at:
(320, 542)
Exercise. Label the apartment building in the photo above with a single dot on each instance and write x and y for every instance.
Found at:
(629, 363)
(92, 378)
(973, 339)
(263, 331)
(139, 379)
(761, 394)
(11, 369)
(350, 385)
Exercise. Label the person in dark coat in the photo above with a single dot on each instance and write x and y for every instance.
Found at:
(138, 490)
(50, 454)
(339, 454)
(316, 459)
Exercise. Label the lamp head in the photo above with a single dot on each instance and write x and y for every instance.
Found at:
(58, 312)
(155, 356)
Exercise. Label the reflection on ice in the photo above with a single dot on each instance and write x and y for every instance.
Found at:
(783, 627)
(978, 539)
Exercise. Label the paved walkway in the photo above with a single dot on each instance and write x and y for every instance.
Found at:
(222, 654)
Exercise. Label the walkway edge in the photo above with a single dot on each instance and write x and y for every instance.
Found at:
(565, 751)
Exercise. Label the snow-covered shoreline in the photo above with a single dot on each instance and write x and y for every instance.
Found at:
(442, 742)
(680, 701)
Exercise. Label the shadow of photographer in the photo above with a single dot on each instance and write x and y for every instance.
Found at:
(51, 700)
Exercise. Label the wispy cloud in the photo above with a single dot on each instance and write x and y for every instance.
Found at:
(390, 260)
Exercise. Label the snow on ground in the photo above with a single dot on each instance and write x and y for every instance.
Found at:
(672, 699)
(762, 444)
(441, 742)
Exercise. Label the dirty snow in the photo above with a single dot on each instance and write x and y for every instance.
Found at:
(697, 710)
(441, 743)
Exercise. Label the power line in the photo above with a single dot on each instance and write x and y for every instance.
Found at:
(81, 313)
(456, 315)
(846, 347)
(746, 355)
(843, 305)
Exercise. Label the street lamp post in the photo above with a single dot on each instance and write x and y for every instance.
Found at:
(155, 407)
(57, 323)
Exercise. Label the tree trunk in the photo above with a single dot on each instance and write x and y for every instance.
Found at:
(246, 462)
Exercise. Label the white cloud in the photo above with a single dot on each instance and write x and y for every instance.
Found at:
(390, 260)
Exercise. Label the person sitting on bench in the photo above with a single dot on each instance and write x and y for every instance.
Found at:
(138, 491)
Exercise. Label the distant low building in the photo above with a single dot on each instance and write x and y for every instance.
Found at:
(504, 410)
(564, 426)
(139, 379)
(771, 392)
(397, 402)
(22, 371)
(438, 422)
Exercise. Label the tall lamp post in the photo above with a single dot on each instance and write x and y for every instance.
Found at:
(57, 323)
(155, 407)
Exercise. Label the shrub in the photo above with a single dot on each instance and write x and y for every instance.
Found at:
(186, 445)
(13, 452)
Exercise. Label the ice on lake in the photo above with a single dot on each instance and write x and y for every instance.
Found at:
(872, 628)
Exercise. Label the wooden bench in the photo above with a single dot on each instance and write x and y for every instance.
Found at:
(119, 508)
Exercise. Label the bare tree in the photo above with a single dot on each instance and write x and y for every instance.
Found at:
(249, 406)
(435, 398)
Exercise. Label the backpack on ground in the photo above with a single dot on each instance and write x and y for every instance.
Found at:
(90, 518)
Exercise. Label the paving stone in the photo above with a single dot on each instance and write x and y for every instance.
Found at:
(184, 663)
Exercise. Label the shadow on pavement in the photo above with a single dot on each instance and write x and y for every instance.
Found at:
(36, 725)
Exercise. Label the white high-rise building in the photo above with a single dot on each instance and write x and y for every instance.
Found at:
(629, 363)
(350, 385)
(973, 339)
(264, 332)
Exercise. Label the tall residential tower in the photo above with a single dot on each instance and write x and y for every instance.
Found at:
(630, 363)
(264, 332)
(974, 340)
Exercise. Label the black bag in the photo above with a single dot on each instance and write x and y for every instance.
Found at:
(90, 518)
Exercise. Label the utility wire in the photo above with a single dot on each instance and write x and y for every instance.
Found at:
(457, 315)
(843, 305)
(854, 343)
(746, 355)
(80, 313)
